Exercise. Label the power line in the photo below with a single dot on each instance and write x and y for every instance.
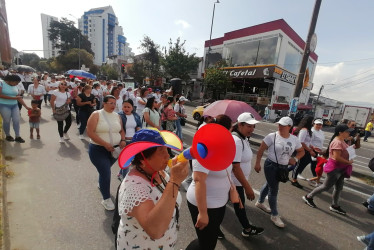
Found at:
(351, 84)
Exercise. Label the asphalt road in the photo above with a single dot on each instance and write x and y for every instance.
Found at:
(53, 203)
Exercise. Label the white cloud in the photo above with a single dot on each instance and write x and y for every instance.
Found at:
(183, 23)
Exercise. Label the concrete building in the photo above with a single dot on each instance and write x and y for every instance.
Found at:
(264, 63)
(101, 27)
(48, 49)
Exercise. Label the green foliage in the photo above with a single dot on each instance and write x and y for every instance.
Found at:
(65, 36)
(216, 81)
(30, 59)
(178, 63)
(137, 70)
(70, 60)
(109, 71)
(151, 58)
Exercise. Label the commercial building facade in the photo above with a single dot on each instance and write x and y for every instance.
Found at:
(48, 45)
(264, 63)
(101, 27)
(5, 49)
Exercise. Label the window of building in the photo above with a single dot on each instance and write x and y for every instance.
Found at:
(292, 59)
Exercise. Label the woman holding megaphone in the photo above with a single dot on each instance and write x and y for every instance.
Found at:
(207, 197)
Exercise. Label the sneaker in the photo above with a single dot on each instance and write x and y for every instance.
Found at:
(220, 234)
(253, 231)
(365, 204)
(277, 221)
(337, 209)
(66, 136)
(78, 125)
(9, 138)
(263, 207)
(108, 204)
(19, 139)
(363, 240)
(296, 184)
(61, 140)
(81, 137)
(309, 201)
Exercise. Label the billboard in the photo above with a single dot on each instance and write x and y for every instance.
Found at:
(5, 49)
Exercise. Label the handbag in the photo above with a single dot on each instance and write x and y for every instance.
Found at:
(61, 113)
(117, 149)
(183, 121)
(233, 193)
(371, 164)
(282, 170)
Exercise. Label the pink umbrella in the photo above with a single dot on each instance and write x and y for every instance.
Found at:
(231, 108)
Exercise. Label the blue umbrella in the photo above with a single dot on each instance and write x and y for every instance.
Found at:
(80, 73)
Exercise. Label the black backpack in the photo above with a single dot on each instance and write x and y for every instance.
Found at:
(371, 164)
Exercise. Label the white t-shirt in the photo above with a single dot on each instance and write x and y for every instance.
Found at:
(318, 137)
(284, 147)
(217, 186)
(20, 88)
(52, 85)
(140, 107)
(130, 125)
(157, 97)
(244, 156)
(118, 105)
(122, 93)
(40, 90)
(22, 77)
(304, 137)
(60, 97)
(179, 108)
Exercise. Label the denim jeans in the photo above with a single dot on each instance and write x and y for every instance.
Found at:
(271, 186)
(83, 117)
(10, 113)
(179, 128)
(102, 159)
(369, 241)
(367, 134)
(304, 161)
(371, 203)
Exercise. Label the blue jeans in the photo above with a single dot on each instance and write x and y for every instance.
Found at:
(367, 134)
(371, 203)
(369, 239)
(271, 187)
(102, 159)
(179, 128)
(83, 117)
(10, 113)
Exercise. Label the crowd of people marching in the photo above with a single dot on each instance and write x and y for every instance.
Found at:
(148, 201)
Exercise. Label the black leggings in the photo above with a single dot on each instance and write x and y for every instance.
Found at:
(240, 212)
(302, 164)
(60, 124)
(206, 238)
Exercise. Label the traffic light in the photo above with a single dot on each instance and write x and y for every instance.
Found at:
(122, 68)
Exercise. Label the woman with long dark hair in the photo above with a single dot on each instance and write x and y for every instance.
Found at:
(86, 102)
(305, 137)
(151, 116)
(338, 167)
(116, 93)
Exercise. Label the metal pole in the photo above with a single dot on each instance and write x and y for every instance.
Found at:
(315, 105)
(79, 52)
(300, 79)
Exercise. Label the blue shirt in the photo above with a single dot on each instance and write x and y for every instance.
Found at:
(8, 90)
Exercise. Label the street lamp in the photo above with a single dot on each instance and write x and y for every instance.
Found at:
(319, 94)
(79, 43)
(210, 44)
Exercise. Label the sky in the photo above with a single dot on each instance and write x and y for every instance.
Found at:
(344, 31)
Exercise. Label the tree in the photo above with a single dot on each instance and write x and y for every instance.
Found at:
(178, 63)
(216, 80)
(70, 59)
(137, 70)
(151, 58)
(30, 59)
(109, 71)
(65, 36)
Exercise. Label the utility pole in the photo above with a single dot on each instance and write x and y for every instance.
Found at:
(312, 27)
(315, 105)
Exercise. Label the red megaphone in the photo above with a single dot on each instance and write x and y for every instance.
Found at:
(212, 146)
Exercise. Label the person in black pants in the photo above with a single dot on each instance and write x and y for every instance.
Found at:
(86, 101)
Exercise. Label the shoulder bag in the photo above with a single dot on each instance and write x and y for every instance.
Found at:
(233, 193)
(117, 149)
(282, 170)
(61, 113)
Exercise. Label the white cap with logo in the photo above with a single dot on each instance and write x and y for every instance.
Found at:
(285, 121)
(247, 118)
(318, 121)
(183, 99)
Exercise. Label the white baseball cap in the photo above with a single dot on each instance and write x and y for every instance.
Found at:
(183, 99)
(285, 121)
(318, 121)
(247, 118)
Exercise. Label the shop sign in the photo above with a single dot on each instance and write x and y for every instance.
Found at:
(284, 75)
(263, 100)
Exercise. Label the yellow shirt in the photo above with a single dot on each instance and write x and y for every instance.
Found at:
(369, 126)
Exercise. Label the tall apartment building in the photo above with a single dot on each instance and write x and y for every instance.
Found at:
(48, 49)
(101, 27)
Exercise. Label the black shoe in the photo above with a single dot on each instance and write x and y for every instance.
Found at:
(9, 138)
(253, 231)
(296, 184)
(19, 139)
(309, 201)
(365, 203)
(220, 234)
(337, 209)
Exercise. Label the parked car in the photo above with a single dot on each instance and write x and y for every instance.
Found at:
(197, 113)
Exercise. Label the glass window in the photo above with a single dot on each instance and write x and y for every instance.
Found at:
(267, 51)
(293, 59)
(214, 56)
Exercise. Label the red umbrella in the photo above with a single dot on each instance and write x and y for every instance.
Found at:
(231, 108)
